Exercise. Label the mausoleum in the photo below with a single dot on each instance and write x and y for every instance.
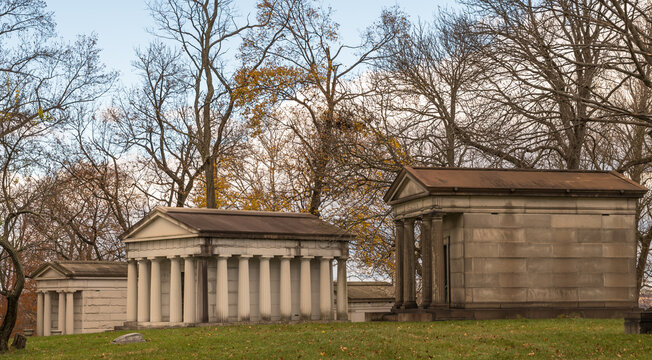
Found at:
(505, 243)
(188, 266)
(75, 297)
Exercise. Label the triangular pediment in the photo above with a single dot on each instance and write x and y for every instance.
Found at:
(410, 188)
(49, 271)
(405, 186)
(159, 226)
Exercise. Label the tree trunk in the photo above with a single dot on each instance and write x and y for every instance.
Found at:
(9, 320)
(211, 202)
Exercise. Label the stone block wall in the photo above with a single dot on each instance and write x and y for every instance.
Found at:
(548, 257)
(104, 308)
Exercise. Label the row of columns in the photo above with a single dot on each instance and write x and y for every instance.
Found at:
(66, 312)
(432, 256)
(144, 289)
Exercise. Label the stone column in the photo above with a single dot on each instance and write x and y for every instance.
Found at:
(47, 314)
(143, 290)
(70, 312)
(155, 291)
(342, 296)
(222, 289)
(426, 261)
(325, 288)
(61, 313)
(305, 292)
(439, 292)
(176, 313)
(39, 313)
(244, 303)
(189, 291)
(285, 289)
(264, 290)
(398, 264)
(132, 290)
(409, 270)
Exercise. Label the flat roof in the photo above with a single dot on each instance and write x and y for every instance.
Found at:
(219, 223)
(523, 181)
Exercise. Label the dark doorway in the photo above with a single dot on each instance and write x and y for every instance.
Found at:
(447, 275)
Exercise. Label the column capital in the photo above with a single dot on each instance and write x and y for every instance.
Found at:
(131, 260)
(307, 257)
(342, 258)
(155, 258)
(139, 259)
(245, 256)
(173, 257)
(286, 257)
(225, 256)
(326, 257)
(398, 222)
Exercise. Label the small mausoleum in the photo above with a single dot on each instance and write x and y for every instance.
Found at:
(77, 297)
(188, 266)
(367, 299)
(505, 243)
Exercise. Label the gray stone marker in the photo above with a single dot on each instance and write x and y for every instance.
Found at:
(19, 342)
(129, 338)
(638, 322)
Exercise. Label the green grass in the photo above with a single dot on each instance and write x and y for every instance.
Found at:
(498, 339)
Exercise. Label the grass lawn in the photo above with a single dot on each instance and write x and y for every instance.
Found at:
(498, 339)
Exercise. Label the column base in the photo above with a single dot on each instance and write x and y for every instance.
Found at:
(409, 305)
(425, 305)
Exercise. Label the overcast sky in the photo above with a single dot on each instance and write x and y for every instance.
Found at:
(121, 25)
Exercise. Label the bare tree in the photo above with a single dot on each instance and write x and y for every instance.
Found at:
(206, 33)
(42, 79)
(156, 124)
(306, 70)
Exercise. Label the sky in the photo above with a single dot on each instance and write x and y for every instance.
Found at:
(121, 25)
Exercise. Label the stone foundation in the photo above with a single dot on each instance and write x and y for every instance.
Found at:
(638, 323)
(506, 313)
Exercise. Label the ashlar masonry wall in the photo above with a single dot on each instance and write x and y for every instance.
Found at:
(545, 252)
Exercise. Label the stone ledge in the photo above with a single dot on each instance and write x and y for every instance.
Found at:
(132, 325)
(505, 313)
(637, 322)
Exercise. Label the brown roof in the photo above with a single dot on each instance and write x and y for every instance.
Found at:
(215, 222)
(369, 291)
(521, 181)
(74, 269)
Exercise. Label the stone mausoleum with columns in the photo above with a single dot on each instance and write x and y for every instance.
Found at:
(507, 243)
(189, 266)
(75, 297)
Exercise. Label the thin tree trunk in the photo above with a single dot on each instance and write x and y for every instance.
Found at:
(9, 320)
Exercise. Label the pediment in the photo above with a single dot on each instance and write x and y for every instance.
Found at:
(49, 272)
(405, 186)
(159, 227)
(410, 188)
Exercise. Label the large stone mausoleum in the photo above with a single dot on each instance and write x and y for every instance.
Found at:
(188, 266)
(503, 243)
